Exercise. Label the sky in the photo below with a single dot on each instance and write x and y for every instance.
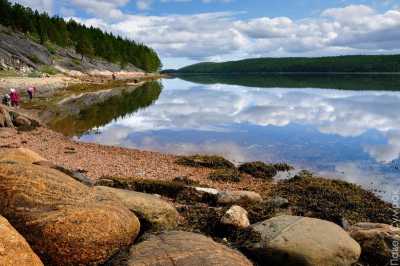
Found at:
(190, 31)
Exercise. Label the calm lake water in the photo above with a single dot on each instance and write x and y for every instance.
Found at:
(346, 127)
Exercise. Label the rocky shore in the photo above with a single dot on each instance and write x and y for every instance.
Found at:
(68, 203)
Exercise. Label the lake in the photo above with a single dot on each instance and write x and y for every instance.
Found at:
(340, 126)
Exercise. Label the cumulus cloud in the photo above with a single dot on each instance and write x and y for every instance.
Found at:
(41, 5)
(352, 29)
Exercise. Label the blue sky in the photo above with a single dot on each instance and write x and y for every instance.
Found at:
(189, 31)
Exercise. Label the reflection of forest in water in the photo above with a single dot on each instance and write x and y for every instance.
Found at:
(100, 114)
(388, 82)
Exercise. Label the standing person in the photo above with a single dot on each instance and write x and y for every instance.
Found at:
(15, 98)
(6, 100)
(31, 91)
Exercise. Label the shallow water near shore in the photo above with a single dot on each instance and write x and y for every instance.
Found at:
(345, 127)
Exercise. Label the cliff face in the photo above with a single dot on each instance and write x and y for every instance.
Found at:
(19, 53)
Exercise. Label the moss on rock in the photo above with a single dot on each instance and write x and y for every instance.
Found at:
(258, 170)
(225, 175)
(208, 161)
(333, 200)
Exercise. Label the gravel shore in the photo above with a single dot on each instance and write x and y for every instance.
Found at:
(101, 161)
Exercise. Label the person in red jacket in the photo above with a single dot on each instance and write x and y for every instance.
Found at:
(15, 98)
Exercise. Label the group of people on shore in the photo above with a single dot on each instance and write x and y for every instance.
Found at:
(13, 98)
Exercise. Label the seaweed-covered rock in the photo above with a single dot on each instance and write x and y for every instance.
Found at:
(238, 197)
(333, 200)
(378, 242)
(176, 248)
(208, 161)
(293, 240)
(14, 250)
(236, 216)
(156, 213)
(283, 167)
(66, 222)
(258, 170)
(225, 175)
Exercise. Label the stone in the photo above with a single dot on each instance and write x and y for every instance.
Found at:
(279, 202)
(259, 170)
(175, 248)
(236, 216)
(294, 240)
(14, 250)
(66, 222)
(21, 155)
(238, 197)
(151, 210)
(21, 121)
(377, 241)
(5, 118)
(211, 191)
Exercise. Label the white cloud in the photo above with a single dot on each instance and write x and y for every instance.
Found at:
(41, 5)
(349, 30)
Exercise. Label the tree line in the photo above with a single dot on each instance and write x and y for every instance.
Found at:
(339, 64)
(88, 41)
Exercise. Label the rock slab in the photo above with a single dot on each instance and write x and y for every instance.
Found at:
(176, 248)
(379, 242)
(14, 250)
(66, 222)
(293, 240)
(158, 213)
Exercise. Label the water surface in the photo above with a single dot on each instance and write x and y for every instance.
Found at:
(345, 127)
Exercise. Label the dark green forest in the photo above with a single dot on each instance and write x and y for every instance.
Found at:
(337, 64)
(91, 42)
(323, 81)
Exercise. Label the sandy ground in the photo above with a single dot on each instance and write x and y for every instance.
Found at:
(102, 161)
(44, 85)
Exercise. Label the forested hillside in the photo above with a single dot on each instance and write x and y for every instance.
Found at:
(358, 63)
(91, 42)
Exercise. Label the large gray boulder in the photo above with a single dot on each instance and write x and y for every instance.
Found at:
(157, 213)
(175, 248)
(293, 240)
(378, 241)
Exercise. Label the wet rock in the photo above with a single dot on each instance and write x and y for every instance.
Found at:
(294, 240)
(258, 170)
(155, 212)
(66, 222)
(238, 197)
(377, 241)
(14, 250)
(213, 161)
(176, 248)
(236, 216)
(184, 180)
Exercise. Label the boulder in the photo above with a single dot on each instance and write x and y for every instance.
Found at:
(378, 241)
(66, 222)
(5, 118)
(155, 212)
(279, 202)
(175, 248)
(238, 197)
(294, 240)
(236, 216)
(21, 121)
(14, 250)
(21, 155)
